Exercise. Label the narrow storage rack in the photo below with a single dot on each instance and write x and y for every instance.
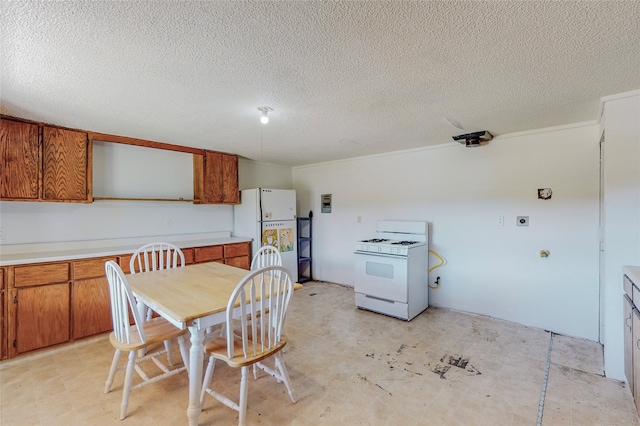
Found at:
(304, 250)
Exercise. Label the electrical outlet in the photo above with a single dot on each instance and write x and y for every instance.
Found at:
(522, 221)
(1, 233)
(500, 221)
(169, 224)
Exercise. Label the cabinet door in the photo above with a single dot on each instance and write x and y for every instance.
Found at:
(124, 261)
(3, 340)
(628, 341)
(90, 299)
(230, 191)
(19, 160)
(636, 356)
(65, 165)
(214, 192)
(216, 178)
(91, 307)
(188, 256)
(41, 316)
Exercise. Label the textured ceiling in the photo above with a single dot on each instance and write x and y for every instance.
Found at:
(345, 78)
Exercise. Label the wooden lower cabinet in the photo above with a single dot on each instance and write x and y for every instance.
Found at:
(91, 307)
(631, 335)
(238, 255)
(3, 333)
(41, 317)
(91, 302)
(38, 306)
(627, 310)
(636, 357)
(46, 304)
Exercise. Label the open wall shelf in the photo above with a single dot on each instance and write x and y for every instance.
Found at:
(304, 249)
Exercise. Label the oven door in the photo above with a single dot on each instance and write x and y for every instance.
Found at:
(381, 276)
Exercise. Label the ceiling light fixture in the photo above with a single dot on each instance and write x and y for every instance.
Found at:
(264, 119)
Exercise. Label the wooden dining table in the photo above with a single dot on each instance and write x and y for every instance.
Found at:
(193, 297)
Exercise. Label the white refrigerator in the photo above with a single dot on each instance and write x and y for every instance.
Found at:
(268, 217)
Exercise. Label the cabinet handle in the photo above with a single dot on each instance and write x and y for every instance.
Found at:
(626, 321)
(638, 343)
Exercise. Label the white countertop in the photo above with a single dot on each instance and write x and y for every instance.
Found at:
(632, 272)
(16, 254)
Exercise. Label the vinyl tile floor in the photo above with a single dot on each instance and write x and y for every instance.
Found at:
(348, 367)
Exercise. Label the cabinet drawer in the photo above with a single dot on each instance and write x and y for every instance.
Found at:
(628, 285)
(90, 268)
(207, 254)
(238, 262)
(41, 274)
(235, 250)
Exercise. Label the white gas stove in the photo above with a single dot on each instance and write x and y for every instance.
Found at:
(387, 246)
(391, 270)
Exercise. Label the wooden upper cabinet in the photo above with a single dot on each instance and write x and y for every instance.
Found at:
(215, 178)
(19, 160)
(230, 190)
(41, 162)
(66, 165)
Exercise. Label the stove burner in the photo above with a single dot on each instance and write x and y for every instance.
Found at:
(375, 240)
(405, 243)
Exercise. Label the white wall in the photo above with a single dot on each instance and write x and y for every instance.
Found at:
(263, 175)
(492, 270)
(24, 222)
(50, 222)
(621, 122)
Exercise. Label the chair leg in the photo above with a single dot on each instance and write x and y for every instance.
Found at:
(112, 370)
(207, 378)
(167, 347)
(128, 380)
(244, 392)
(285, 376)
(184, 353)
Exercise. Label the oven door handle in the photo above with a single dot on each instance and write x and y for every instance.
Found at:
(368, 253)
